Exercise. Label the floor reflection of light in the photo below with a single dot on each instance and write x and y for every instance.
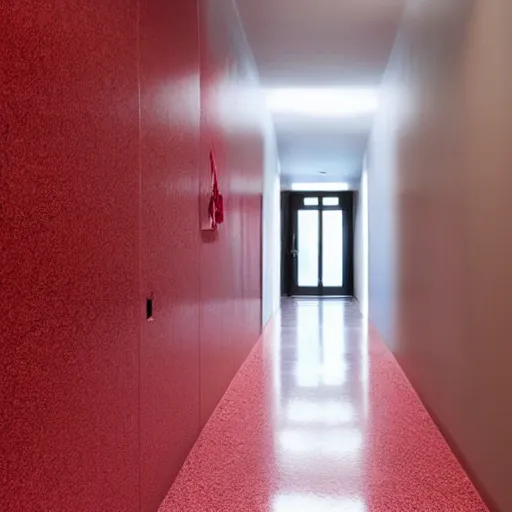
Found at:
(304, 502)
(308, 349)
(365, 370)
(333, 332)
(334, 372)
(311, 369)
(328, 412)
(335, 442)
(276, 359)
(311, 372)
(305, 378)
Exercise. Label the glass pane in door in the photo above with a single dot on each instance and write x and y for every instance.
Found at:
(332, 255)
(331, 201)
(308, 238)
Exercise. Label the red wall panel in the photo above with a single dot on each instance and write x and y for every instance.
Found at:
(108, 117)
(169, 240)
(69, 256)
(230, 306)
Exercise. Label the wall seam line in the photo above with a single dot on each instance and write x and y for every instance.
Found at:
(139, 238)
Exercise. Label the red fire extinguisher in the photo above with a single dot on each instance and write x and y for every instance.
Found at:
(216, 206)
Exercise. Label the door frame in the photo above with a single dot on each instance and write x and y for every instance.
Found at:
(291, 203)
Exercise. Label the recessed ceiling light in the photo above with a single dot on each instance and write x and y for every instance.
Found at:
(341, 102)
(320, 187)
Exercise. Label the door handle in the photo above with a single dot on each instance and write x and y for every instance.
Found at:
(294, 251)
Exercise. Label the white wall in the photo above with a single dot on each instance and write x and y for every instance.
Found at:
(361, 244)
(271, 230)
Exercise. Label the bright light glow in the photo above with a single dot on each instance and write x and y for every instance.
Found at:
(306, 502)
(323, 102)
(328, 413)
(334, 443)
(335, 364)
(308, 349)
(320, 187)
(311, 369)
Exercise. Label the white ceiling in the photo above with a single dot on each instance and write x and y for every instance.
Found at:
(321, 43)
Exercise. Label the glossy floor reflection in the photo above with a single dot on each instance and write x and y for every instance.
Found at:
(320, 419)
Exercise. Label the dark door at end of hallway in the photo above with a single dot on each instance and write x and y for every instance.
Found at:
(319, 244)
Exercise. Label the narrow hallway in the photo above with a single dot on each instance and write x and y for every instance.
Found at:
(321, 418)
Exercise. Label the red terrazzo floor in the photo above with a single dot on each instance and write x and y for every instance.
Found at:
(320, 419)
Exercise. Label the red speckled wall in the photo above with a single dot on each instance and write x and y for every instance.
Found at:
(109, 111)
(230, 313)
(170, 241)
(69, 259)
(440, 163)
